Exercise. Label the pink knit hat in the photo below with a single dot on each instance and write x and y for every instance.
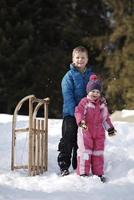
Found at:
(93, 84)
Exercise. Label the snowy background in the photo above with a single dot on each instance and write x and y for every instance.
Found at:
(119, 167)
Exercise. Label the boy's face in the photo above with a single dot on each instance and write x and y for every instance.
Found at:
(80, 59)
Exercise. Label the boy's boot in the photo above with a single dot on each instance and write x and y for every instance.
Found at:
(65, 172)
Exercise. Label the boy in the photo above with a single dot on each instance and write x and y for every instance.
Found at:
(73, 90)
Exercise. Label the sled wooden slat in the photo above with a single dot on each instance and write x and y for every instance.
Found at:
(21, 167)
(22, 130)
(34, 148)
(38, 146)
(46, 137)
(42, 145)
(37, 136)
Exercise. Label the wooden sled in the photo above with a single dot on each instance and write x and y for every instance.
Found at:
(37, 136)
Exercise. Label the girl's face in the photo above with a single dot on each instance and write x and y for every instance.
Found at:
(94, 94)
(80, 59)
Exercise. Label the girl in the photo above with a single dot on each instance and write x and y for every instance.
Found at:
(93, 119)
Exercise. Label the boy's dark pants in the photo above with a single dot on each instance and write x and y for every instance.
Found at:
(68, 144)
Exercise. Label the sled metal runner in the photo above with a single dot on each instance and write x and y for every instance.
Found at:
(37, 131)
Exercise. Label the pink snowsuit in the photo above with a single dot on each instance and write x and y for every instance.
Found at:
(91, 140)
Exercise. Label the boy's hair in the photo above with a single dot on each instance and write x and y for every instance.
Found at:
(79, 49)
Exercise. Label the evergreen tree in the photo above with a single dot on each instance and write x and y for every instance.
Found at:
(120, 57)
(37, 38)
(36, 41)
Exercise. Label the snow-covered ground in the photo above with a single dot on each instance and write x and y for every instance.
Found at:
(119, 168)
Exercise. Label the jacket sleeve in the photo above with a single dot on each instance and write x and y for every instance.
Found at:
(106, 118)
(80, 111)
(68, 95)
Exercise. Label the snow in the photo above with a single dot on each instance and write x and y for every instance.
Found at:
(126, 113)
(119, 167)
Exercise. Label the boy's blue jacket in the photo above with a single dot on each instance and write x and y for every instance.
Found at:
(74, 89)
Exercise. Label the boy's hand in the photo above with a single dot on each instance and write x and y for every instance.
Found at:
(111, 131)
(83, 124)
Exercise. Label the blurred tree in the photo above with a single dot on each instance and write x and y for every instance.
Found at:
(120, 56)
(37, 38)
(36, 41)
